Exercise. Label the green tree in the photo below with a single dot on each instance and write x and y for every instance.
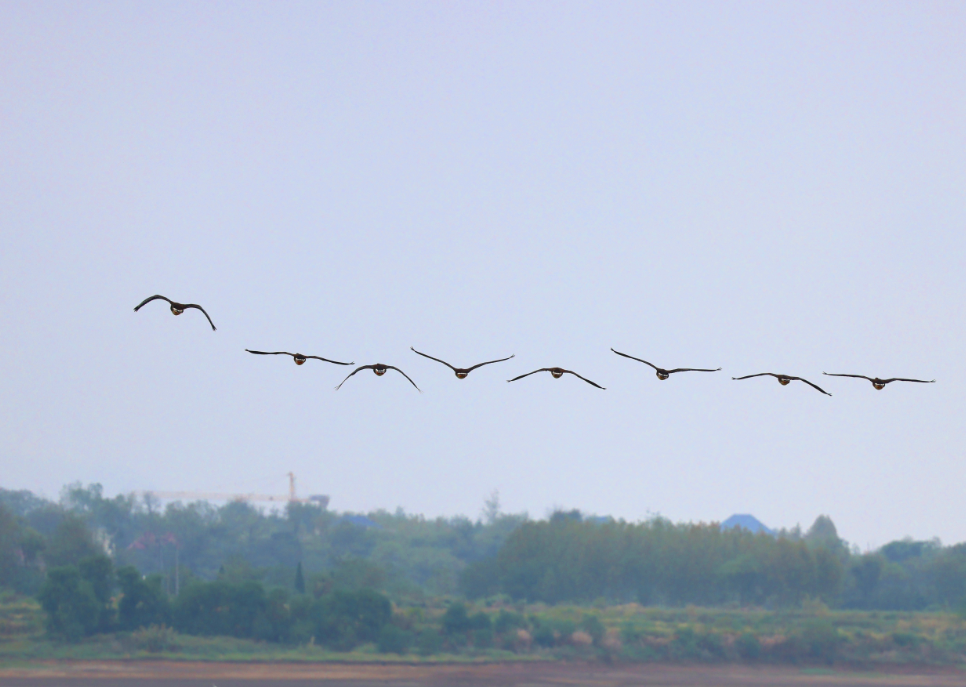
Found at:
(72, 608)
(219, 608)
(143, 603)
(866, 572)
(98, 572)
(70, 543)
(456, 620)
(9, 547)
(393, 640)
(299, 579)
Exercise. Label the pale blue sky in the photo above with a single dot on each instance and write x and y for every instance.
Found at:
(760, 186)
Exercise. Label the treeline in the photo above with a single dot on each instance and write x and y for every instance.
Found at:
(90, 598)
(566, 558)
(407, 556)
(569, 559)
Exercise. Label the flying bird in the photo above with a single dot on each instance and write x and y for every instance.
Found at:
(380, 370)
(557, 373)
(880, 383)
(461, 372)
(176, 308)
(298, 357)
(663, 374)
(784, 380)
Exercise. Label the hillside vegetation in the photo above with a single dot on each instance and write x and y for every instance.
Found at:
(92, 576)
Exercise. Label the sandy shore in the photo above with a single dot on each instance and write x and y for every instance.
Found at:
(196, 674)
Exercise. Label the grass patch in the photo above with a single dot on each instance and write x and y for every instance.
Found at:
(813, 638)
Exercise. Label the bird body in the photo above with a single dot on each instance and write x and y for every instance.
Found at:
(379, 369)
(557, 373)
(784, 380)
(460, 372)
(663, 374)
(176, 308)
(298, 357)
(879, 384)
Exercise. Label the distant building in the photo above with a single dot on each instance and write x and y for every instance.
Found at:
(598, 519)
(747, 522)
(359, 521)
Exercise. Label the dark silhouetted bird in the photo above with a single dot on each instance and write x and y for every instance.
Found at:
(380, 370)
(784, 380)
(880, 383)
(176, 308)
(661, 372)
(460, 372)
(557, 373)
(298, 357)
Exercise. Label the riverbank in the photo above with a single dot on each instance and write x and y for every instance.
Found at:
(225, 674)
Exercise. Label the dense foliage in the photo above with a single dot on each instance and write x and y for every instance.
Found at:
(404, 555)
(308, 575)
(568, 558)
(656, 562)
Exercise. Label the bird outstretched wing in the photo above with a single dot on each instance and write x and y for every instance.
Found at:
(832, 374)
(198, 307)
(270, 352)
(814, 386)
(390, 367)
(148, 300)
(542, 369)
(432, 358)
(760, 374)
(691, 369)
(371, 367)
(326, 360)
(901, 379)
(363, 367)
(637, 359)
(585, 379)
(488, 362)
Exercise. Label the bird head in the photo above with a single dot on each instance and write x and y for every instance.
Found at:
(380, 370)
(878, 384)
(556, 372)
(176, 310)
(461, 374)
(299, 359)
(784, 381)
(662, 375)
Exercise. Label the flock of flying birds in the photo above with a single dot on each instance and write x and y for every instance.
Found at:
(557, 372)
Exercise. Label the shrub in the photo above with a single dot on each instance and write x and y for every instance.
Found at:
(592, 626)
(508, 621)
(155, 639)
(748, 646)
(905, 639)
(821, 639)
(219, 608)
(630, 633)
(710, 644)
(455, 619)
(429, 643)
(482, 638)
(143, 603)
(343, 619)
(543, 635)
(72, 608)
(685, 644)
(393, 640)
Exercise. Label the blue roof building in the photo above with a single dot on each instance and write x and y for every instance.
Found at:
(748, 522)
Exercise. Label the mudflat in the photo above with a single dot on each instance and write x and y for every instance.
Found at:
(198, 674)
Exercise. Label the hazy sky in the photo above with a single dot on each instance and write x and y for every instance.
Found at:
(758, 186)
